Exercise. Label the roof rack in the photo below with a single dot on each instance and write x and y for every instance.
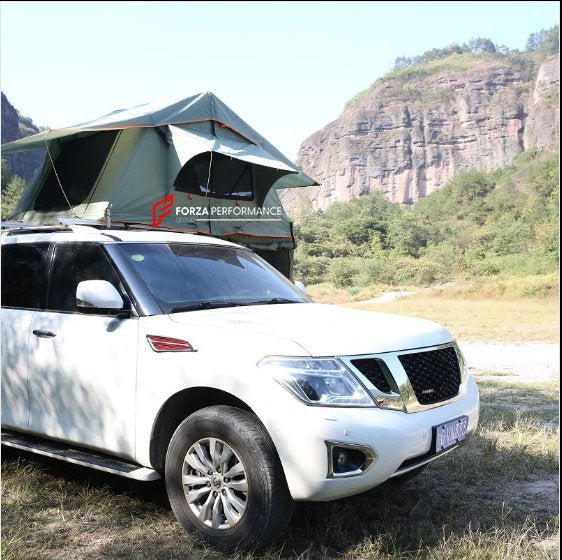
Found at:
(18, 228)
(69, 222)
(12, 228)
(80, 225)
(18, 225)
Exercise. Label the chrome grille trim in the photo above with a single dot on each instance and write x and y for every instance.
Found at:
(405, 400)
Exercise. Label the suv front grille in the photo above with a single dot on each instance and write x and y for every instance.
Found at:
(435, 375)
(373, 370)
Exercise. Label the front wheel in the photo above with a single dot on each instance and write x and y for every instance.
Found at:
(225, 481)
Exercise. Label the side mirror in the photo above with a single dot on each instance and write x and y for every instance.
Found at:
(300, 286)
(98, 294)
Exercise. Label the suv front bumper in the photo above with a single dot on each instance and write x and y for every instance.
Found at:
(394, 436)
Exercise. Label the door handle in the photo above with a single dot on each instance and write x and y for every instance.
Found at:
(44, 334)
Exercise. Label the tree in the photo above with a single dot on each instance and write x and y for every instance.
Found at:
(532, 42)
(402, 62)
(481, 45)
(477, 45)
(505, 50)
(551, 41)
(545, 40)
(11, 195)
(6, 175)
(409, 233)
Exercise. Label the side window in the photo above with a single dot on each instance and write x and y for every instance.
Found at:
(24, 277)
(72, 264)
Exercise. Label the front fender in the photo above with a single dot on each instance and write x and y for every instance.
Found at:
(224, 359)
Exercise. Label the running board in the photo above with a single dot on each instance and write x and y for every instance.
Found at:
(63, 452)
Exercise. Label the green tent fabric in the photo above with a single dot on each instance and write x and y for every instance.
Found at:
(131, 159)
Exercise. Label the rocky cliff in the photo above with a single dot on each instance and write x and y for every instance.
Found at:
(15, 126)
(411, 132)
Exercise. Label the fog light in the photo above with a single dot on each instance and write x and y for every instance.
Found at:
(348, 459)
(340, 460)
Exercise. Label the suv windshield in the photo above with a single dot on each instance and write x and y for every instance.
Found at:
(185, 277)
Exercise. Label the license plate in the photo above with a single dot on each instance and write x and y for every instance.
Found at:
(450, 433)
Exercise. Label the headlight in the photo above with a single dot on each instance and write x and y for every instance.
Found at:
(318, 381)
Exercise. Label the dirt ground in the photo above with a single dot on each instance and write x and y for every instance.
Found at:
(524, 362)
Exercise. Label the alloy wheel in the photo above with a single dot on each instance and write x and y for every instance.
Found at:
(215, 483)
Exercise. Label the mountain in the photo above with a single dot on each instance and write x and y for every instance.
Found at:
(420, 125)
(15, 126)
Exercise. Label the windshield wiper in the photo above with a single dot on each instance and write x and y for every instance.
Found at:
(206, 304)
(273, 301)
(215, 304)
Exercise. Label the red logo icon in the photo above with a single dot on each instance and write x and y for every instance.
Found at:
(161, 209)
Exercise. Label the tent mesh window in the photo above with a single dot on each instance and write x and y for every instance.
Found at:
(78, 165)
(223, 177)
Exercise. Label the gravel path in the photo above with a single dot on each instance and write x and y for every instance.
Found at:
(525, 362)
(388, 296)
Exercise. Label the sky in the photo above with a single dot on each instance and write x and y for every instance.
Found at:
(287, 68)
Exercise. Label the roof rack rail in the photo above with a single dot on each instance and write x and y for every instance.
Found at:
(82, 225)
(146, 226)
(11, 227)
(18, 225)
(79, 222)
(69, 222)
(68, 225)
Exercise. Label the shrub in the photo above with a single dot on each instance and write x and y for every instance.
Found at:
(478, 224)
(342, 272)
(311, 270)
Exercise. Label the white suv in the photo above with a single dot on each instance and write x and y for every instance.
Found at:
(149, 354)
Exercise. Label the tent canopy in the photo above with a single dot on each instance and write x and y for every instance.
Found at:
(202, 107)
(196, 149)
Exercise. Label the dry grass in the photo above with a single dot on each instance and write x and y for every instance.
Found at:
(493, 499)
(502, 320)
(327, 293)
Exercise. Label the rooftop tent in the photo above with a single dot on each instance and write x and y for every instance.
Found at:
(222, 174)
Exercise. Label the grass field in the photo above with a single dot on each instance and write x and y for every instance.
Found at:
(493, 499)
(469, 316)
(513, 320)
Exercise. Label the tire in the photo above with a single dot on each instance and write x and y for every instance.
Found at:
(409, 475)
(268, 504)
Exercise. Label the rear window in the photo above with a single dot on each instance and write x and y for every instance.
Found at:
(24, 275)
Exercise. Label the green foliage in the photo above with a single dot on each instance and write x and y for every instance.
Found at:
(478, 45)
(6, 175)
(12, 189)
(11, 195)
(546, 41)
(478, 225)
(461, 57)
(451, 63)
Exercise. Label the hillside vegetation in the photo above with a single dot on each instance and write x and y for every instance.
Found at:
(12, 189)
(485, 228)
(461, 57)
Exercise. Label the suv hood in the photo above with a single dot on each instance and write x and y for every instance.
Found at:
(324, 330)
